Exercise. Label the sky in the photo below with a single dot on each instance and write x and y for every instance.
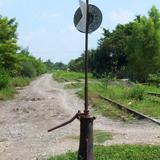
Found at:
(46, 26)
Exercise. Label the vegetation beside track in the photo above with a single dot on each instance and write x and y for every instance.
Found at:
(63, 76)
(119, 152)
(132, 95)
(9, 91)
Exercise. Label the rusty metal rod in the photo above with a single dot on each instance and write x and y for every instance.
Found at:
(64, 124)
(86, 111)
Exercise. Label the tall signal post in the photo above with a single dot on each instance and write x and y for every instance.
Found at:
(87, 19)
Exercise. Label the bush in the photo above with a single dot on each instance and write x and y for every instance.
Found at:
(28, 70)
(137, 93)
(7, 93)
(20, 81)
(154, 79)
(4, 79)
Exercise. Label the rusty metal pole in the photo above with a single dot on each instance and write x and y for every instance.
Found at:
(86, 121)
(85, 151)
(86, 138)
(86, 111)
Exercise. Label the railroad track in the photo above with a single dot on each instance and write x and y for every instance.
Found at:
(130, 111)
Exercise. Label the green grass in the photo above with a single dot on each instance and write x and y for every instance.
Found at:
(63, 76)
(74, 85)
(20, 81)
(10, 90)
(7, 93)
(134, 96)
(151, 88)
(119, 152)
(102, 107)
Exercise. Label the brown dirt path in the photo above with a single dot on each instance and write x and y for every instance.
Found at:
(43, 104)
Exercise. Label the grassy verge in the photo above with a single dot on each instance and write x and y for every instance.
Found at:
(134, 96)
(20, 81)
(7, 93)
(119, 152)
(10, 90)
(100, 106)
(63, 76)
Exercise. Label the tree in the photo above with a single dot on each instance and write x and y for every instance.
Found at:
(8, 44)
(49, 64)
(60, 66)
(28, 63)
(143, 46)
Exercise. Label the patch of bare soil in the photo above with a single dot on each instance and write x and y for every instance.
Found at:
(44, 104)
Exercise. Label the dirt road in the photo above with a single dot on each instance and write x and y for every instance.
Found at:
(25, 120)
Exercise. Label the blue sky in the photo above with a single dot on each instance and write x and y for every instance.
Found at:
(46, 26)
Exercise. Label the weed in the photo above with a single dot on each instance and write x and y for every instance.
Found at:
(119, 152)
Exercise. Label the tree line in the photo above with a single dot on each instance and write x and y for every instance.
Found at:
(15, 60)
(129, 51)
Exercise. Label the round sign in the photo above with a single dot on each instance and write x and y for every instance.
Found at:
(94, 19)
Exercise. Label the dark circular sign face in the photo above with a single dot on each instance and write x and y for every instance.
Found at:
(94, 19)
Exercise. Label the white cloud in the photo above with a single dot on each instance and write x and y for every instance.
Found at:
(121, 16)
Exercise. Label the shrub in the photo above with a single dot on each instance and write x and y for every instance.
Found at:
(28, 70)
(154, 78)
(105, 79)
(7, 93)
(4, 79)
(20, 81)
(137, 93)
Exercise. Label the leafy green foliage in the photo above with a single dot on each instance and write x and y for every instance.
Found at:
(154, 79)
(4, 79)
(137, 93)
(30, 66)
(7, 93)
(129, 51)
(8, 44)
(119, 152)
(28, 70)
(12, 58)
(143, 47)
(14, 61)
(19, 81)
(134, 96)
(49, 65)
(77, 64)
(60, 66)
